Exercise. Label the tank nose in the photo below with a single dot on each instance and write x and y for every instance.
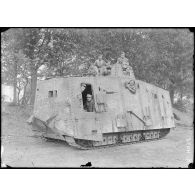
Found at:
(30, 120)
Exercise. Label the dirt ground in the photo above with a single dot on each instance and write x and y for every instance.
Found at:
(21, 149)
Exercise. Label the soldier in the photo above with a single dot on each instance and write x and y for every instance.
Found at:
(123, 61)
(107, 69)
(89, 105)
(100, 64)
(83, 87)
(81, 95)
(93, 70)
(120, 67)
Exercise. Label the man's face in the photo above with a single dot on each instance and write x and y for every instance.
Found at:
(83, 87)
(89, 98)
(100, 57)
(123, 55)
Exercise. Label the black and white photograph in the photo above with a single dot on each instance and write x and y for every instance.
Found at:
(97, 97)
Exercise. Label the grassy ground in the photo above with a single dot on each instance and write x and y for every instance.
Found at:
(21, 149)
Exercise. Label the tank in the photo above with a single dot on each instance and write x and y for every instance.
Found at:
(125, 110)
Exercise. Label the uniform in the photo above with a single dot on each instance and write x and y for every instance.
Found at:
(93, 70)
(126, 68)
(89, 106)
(124, 62)
(101, 65)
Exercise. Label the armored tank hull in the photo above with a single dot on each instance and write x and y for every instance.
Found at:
(126, 111)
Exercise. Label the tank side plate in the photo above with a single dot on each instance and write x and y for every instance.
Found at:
(123, 138)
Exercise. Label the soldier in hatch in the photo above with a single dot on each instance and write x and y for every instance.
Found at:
(89, 105)
(81, 95)
(83, 87)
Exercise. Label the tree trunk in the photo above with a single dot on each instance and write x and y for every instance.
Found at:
(172, 95)
(18, 97)
(181, 96)
(15, 84)
(33, 86)
(24, 101)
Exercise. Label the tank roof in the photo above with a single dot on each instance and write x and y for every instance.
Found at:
(84, 75)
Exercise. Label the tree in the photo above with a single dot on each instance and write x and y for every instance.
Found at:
(162, 57)
(22, 49)
(9, 61)
(174, 59)
(33, 43)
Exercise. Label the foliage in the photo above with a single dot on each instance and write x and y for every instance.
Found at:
(184, 105)
(163, 57)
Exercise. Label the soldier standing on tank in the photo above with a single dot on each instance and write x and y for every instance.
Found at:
(100, 64)
(89, 105)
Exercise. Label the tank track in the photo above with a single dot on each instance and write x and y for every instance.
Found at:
(119, 139)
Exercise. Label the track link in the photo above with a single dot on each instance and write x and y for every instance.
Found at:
(124, 138)
(116, 139)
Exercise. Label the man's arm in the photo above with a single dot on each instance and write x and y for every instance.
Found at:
(95, 63)
(119, 60)
(126, 61)
(93, 106)
(104, 63)
(85, 106)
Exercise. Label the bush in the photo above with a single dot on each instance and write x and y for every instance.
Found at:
(183, 105)
(26, 110)
(12, 104)
(176, 117)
